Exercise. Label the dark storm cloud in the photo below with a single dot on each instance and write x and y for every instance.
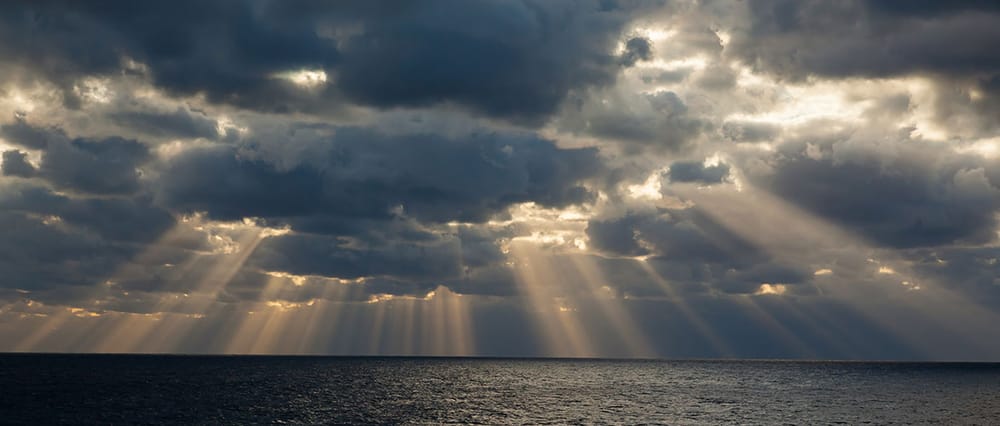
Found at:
(99, 166)
(874, 39)
(618, 235)
(659, 120)
(687, 248)
(21, 133)
(132, 219)
(467, 260)
(690, 234)
(515, 60)
(480, 246)
(36, 255)
(180, 122)
(928, 8)
(330, 256)
(369, 204)
(973, 271)
(228, 187)
(225, 49)
(78, 215)
(637, 49)
(50, 241)
(950, 42)
(494, 280)
(695, 171)
(105, 166)
(74, 238)
(379, 227)
(904, 194)
(15, 163)
(362, 203)
(509, 59)
(363, 173)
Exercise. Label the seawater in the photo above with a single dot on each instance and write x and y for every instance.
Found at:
(158, 389)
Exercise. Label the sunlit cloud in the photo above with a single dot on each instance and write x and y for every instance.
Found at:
(309, 79)
(767, 288)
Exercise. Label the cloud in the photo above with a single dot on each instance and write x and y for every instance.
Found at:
(180, 122)
(698, 172)
(106, 166)
(21, 133)
(896, 193)
(346, 159)
(972, 271)
(226, 50)
(360, 172)
(331, 256)
(370, 205)
(37, 255)
(513, 60)
(133, 219)
(873, 39)
(950, 42)
(659, 121)
(741, 131)
(217, 181)
(97, 166)
(52, 241)
(689, 249)
(637, 49)
(15, 163)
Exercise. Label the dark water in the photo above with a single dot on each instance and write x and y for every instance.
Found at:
(112, 389)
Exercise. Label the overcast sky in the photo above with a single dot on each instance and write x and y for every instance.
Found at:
(686, 179)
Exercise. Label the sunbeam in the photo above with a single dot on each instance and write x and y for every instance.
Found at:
(164, 247)
(787, 233)
(176, 314)
(588, 273)
(537, 279)
(690, 315)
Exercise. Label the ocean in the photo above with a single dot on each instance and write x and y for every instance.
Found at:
(165, 389)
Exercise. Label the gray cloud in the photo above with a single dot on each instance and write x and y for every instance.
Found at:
(877, 39)
(637, 49)
(113, 218)
(100, 166)
(55, 241)
(300, 254)
(448, 133)
(28, 136)
(698, 172)
(15, 163)
(363, 173)
(658, 121)
(38, 256)
(510, 60)
(951, 42)
(688, 249)
(516, 60)
(225, 49)
(905, 194)
(738, 131)
(181, 122)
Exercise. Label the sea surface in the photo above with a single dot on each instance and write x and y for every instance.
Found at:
(156, 389)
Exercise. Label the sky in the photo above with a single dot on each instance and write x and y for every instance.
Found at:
(653, 178)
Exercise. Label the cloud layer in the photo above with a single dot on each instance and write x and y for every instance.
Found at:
(761, 178)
